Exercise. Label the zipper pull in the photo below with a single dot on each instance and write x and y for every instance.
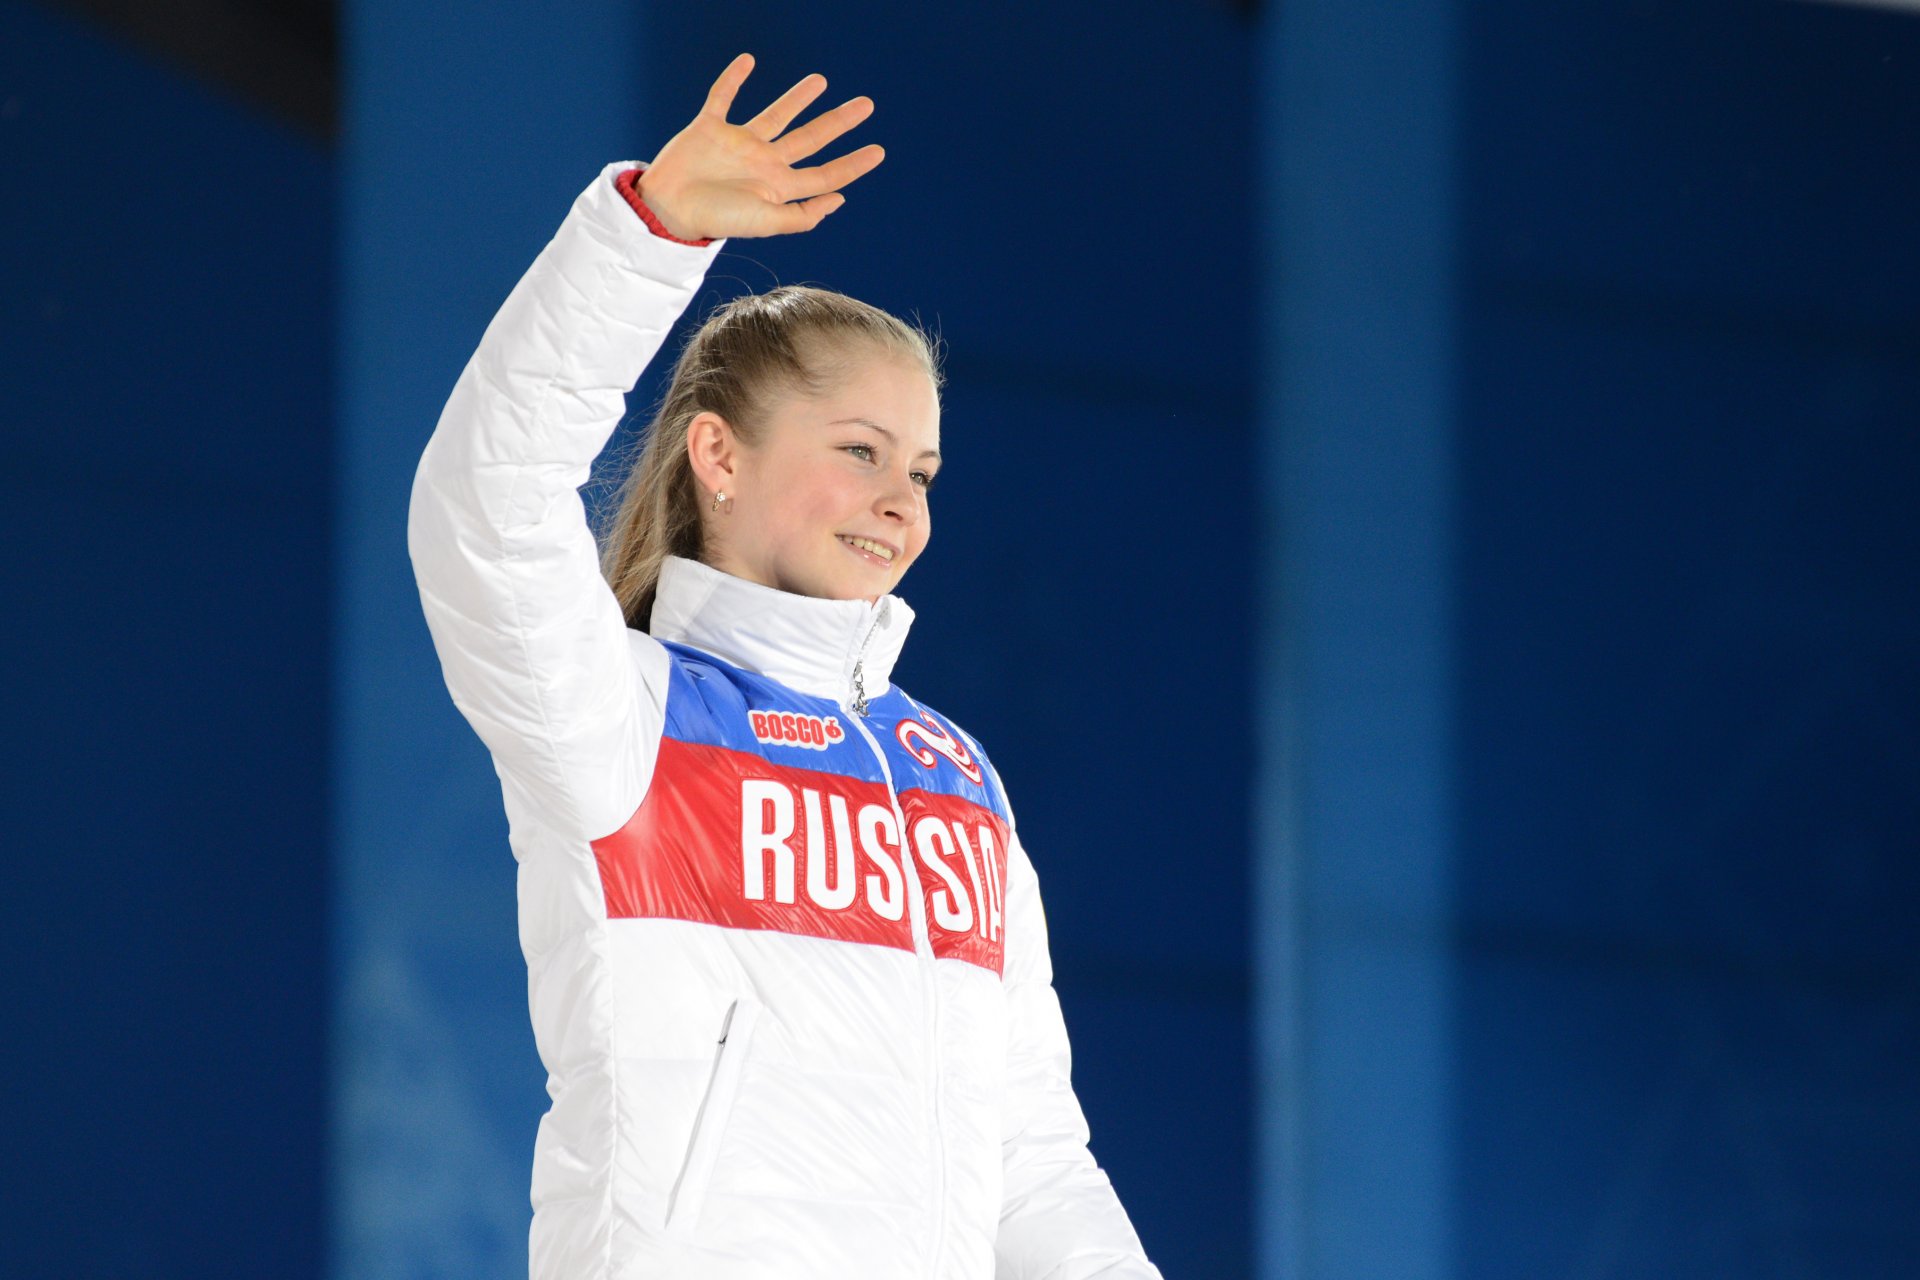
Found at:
(859, 688)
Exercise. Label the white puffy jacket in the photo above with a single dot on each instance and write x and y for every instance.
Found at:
(786, 959)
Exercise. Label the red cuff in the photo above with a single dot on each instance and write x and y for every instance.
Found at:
(628, 185)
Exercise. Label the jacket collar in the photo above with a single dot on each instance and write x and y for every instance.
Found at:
(806, 643)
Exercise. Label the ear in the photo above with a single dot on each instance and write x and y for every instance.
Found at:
(714, 452)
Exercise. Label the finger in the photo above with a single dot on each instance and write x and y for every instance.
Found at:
(834, 174)
(822, 129)
(805, 215)
(720, 97)
(780, 113)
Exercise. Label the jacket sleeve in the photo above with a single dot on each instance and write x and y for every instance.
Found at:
(1059, 1217)
(531, 640)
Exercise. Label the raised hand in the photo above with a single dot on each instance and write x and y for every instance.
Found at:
(715, 179)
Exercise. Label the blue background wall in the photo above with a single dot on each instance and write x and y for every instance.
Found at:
(1492, 430)
(1689, 791)
(166, 314)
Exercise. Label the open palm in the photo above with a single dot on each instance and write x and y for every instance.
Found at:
(715, 179)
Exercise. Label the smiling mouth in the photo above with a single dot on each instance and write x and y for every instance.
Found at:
(878, 552)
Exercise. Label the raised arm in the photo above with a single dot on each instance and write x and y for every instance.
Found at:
(531, 640)
(1059, 1218)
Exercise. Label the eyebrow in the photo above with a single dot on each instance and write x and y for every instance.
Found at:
(869, 422)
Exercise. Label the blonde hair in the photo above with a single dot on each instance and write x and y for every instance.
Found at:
(796, 340)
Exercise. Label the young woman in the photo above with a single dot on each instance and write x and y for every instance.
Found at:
(786, 959)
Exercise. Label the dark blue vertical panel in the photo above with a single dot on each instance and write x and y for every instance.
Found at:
(165, 349)
(1689, 716)
(1355, 823)
(467, 132)
(1099, 330)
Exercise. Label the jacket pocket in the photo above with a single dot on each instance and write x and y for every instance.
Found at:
(710, 1122)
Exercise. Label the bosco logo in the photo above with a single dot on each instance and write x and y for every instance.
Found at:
(790, 729)
(933, 739)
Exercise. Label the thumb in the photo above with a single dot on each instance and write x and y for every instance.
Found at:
(808, 214)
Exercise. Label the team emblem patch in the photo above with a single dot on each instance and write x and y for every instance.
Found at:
(935, 742)
(789, 729)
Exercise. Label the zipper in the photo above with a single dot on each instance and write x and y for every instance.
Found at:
(922, 947)
(689, 1194)
(859, 703)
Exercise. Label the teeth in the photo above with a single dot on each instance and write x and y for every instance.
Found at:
(868, 544)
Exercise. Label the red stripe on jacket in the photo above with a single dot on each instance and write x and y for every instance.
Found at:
(727, 838)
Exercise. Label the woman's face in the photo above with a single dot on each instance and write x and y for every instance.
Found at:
(832, 501)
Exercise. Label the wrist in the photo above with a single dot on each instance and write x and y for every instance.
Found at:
(629, 185)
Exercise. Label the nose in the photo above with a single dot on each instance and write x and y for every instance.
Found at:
(900, 499)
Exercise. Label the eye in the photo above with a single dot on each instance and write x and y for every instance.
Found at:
(864, 451)
(924, 479)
